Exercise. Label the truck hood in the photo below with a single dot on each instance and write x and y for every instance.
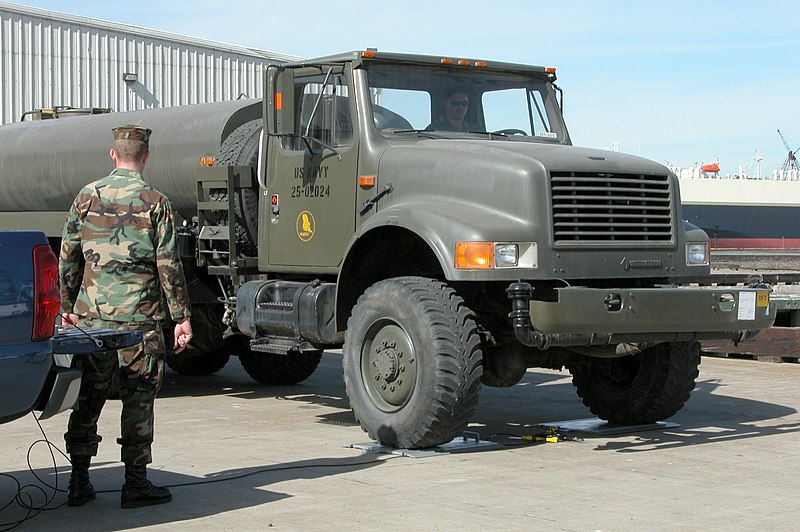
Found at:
(500, 177)
(552, 157)
(500, 191)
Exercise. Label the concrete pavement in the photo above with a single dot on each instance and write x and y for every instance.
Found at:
(242, 456)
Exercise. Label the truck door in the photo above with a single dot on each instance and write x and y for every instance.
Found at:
(311, 174)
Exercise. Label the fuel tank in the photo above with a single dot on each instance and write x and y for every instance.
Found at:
(44, 163)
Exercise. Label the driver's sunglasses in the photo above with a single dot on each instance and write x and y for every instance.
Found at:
(458, 103)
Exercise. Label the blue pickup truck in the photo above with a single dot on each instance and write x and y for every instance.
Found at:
(30, 376)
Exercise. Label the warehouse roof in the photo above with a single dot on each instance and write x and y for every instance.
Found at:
(143, 32)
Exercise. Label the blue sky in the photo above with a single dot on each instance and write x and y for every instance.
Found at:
(679, 82)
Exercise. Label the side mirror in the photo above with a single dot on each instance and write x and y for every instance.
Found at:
(279, 101)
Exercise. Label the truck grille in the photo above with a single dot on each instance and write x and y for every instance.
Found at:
(608, 207)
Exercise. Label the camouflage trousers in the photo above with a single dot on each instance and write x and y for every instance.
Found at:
(140, 370)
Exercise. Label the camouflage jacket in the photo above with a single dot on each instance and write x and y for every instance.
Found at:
(119, 250)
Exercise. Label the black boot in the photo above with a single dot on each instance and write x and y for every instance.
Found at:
(80, 490)
(138, 491)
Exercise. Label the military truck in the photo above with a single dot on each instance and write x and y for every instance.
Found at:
(336, 213)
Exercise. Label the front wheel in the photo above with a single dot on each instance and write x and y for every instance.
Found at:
(412, 362)
(639, 389)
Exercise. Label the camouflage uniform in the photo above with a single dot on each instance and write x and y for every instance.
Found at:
(118, 253)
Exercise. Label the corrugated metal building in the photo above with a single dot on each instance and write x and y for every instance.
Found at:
(53, 59)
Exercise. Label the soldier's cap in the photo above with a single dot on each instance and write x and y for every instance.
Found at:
(132, 132)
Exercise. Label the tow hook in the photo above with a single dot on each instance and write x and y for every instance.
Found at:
(520, 294)
(613, 302)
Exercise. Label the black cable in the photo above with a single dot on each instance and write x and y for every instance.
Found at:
(551, 434)
(25, 499)
(98, 342)
(23, 496)
(523, 443)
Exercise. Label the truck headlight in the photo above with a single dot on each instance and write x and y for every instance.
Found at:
(697, 254)
(506, 255)
(499, 255)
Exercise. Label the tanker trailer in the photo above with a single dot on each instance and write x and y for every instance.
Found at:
(46, 162)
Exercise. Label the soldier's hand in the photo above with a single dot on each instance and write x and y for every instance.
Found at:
(68, 319)
(183, 334)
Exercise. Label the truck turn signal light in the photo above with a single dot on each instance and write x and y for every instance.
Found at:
(474, 255)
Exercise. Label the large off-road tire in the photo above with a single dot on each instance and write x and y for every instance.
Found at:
(412, 362)
(240, 148)
(642, 388)
(207, 352)
(198, 364)
(270, 368)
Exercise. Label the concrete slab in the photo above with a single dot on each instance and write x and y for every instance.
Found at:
(241, 456)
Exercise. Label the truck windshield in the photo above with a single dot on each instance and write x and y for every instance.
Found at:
(446, 100)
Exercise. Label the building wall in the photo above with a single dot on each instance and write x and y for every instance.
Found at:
(53, 59)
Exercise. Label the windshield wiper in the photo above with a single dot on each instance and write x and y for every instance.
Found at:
(427, 133)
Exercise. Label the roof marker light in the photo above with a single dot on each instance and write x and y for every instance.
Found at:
(446, 61)
(368, 54)
(463, 62)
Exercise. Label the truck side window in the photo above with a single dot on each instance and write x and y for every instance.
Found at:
(325, 107)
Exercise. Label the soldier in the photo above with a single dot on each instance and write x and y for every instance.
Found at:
(118, 255)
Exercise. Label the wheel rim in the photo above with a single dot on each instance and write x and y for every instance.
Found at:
(388, 365)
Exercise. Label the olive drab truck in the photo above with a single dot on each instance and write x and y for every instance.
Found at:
(337, 213)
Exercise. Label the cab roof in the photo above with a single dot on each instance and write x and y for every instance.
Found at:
(359, 57)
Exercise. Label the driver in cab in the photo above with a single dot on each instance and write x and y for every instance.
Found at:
(454, 116)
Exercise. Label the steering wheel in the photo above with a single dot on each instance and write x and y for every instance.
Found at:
(511, 131)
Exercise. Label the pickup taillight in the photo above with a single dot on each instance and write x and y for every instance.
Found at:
(46, 295)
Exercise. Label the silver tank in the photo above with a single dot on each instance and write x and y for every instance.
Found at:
(44, 163)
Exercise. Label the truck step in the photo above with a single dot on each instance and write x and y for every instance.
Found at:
(279, 346)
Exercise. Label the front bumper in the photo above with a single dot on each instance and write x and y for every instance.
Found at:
(595, 316)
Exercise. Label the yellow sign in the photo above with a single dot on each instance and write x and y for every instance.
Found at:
(762, 299)
(306, 226)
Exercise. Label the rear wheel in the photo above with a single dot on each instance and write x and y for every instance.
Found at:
(269, 368)
(274, 369)
(412, 362)
(199, 364)
(642, 388)
(207, 353)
